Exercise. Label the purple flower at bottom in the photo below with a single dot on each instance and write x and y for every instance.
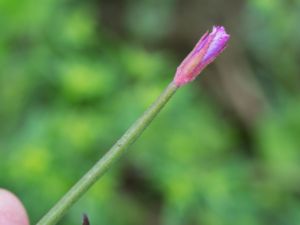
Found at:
(206, 50)
(85, 220)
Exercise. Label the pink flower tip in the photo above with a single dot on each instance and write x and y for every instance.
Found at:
(206, 50)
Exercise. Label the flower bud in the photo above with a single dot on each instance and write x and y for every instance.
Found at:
(85, 220)
(206, 50)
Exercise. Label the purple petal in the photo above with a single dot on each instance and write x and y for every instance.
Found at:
(218, 43)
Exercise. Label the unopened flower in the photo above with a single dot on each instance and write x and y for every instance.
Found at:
(206, 50)
(85, 220)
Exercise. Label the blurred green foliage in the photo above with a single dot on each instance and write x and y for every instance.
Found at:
(69, 87)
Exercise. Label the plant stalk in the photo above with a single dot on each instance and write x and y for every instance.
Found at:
(82, 186)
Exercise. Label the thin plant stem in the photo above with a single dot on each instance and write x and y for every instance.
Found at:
(82, 186)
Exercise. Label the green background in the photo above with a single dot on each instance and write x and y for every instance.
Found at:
(225, 150)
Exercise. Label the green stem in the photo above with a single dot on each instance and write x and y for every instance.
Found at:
(62, 206)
